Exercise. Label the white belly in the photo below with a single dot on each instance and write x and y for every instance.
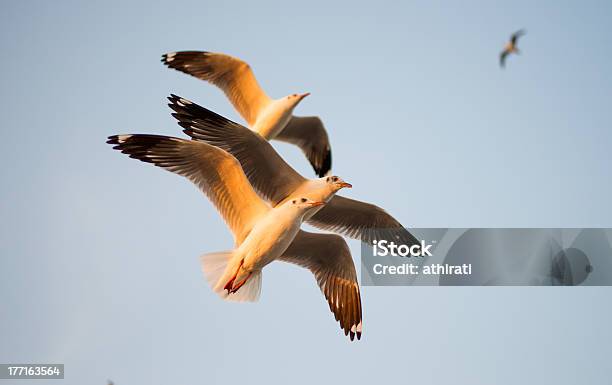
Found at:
(267, 242)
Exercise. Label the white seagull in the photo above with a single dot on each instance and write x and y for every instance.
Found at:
(510, 47)
(278, 182)
(271, 118)
(261, 234)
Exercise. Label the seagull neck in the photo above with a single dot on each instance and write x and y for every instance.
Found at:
(273, 119)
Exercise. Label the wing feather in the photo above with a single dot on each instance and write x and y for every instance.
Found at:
(264, 167)
(232, 75)
(275, 180)
(309, 134)
(360, 220)
(214, 171)
(328, 257)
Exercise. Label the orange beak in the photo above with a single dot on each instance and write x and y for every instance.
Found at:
(314, 204)
(347, 185)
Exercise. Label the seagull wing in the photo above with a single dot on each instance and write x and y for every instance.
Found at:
(516, 35)
(214, 171)
(328, 257)
(275, 180)
(309, 134)
(232, 75)
(360, 220)
(266, 170)
(502, 58)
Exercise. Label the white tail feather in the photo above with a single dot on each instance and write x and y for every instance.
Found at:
(217, 271)
(214, 266)
(249, 292)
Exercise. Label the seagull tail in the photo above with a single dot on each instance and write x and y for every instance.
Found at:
(219, 267)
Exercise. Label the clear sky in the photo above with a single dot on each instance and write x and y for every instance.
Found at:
(99, 253)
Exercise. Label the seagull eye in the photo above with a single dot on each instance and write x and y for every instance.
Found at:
(327, 179)
(294, 201)
(303, 200)
(335, 179)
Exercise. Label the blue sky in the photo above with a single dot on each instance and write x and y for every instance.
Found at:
(99, 266)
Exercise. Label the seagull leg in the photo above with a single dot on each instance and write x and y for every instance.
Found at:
(241, 283)
(229, 285)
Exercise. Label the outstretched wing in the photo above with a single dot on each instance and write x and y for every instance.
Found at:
(275, 180)
(309, 134)
(502, 58)
(360, 220)
(265, 169)
(328, 257)
(232, 75)
(516, 35)
(214, 171)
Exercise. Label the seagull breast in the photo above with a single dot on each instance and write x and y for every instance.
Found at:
(270, 236)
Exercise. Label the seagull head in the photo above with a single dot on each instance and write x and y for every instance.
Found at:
(295, 99)
(337, 183)
(306, 203)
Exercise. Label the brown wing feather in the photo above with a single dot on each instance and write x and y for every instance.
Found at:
(360, 220)
(328, 257)
(214, 171)
(309, 134)
(231, 74)
(265, 168)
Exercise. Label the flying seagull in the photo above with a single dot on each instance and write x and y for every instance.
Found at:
(510, 47)
(261, 234)
(278, 182)
(271, 118)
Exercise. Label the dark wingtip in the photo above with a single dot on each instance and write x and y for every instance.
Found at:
(164, 59)
(327, 164)
(113, 139)
(172, 99)
(186, 112)
(185, 125)
(179, 57)
(358, 335)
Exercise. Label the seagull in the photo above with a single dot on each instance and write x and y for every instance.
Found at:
(262, 234)
(278, 182)
(510, 47)
(271, 118)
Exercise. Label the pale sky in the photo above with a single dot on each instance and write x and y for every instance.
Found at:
(99, 266)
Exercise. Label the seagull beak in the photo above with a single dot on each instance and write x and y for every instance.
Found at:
(302, 96)
(347, 185)
(315, 204)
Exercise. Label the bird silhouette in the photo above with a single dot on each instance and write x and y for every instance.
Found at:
(510, 47)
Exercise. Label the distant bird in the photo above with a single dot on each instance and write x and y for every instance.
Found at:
(278, 182)
(510, 47)
(271, 118)
(261, 234)
(570, 267)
